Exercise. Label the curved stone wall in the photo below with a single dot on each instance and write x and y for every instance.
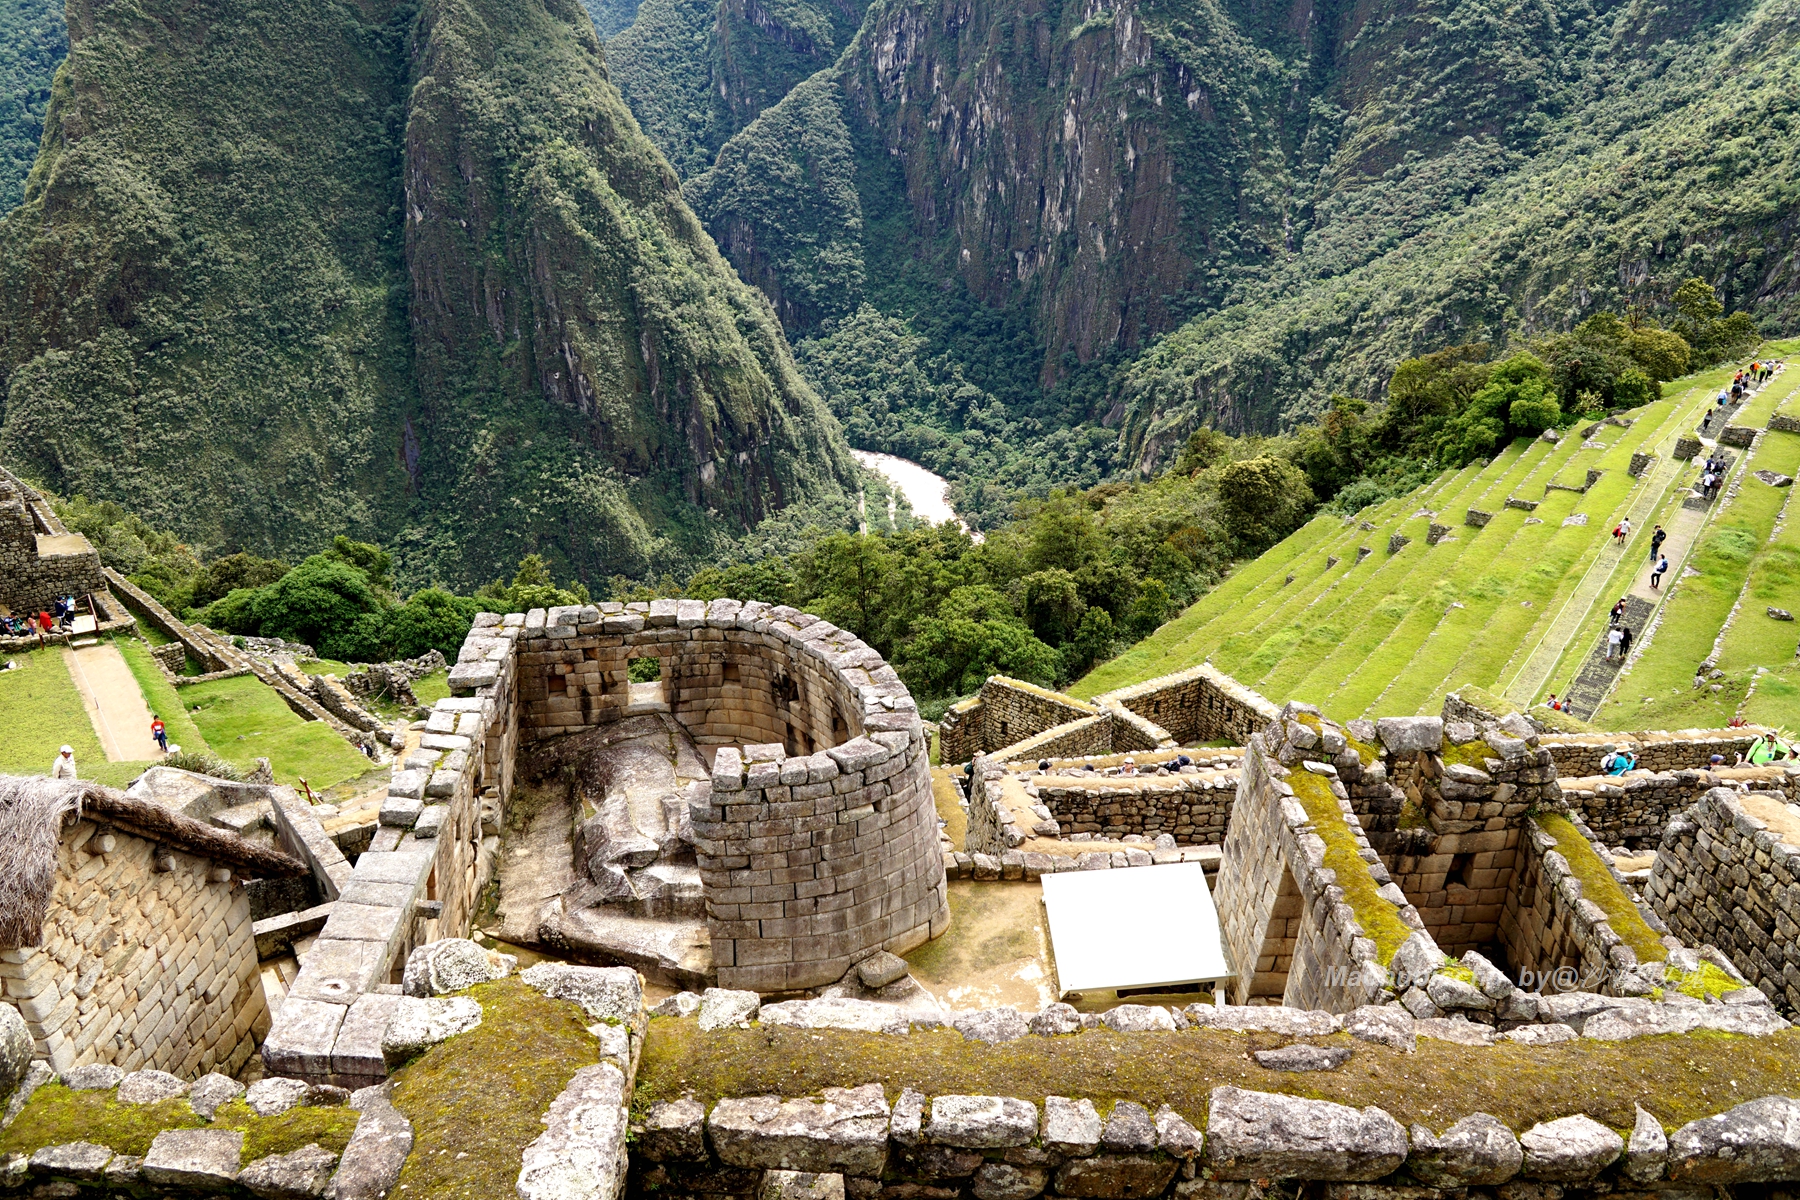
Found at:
(819, 845)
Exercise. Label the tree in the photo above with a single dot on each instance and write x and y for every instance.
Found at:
(1053, 605)
(1061, 533)
(222, 576)
(1697, 302)
(1093, 642)
(319, 603)
(1662, 354)
(1264, 499)
(975, 634)
(431, 619)
(366, 557)
(1517, 402)
(844, 576)
(531, 587)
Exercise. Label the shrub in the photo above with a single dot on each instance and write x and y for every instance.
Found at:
(202, 763)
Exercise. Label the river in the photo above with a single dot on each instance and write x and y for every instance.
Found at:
(926, 492)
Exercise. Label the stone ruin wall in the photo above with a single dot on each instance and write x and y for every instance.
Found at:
(819, 846)
(30, 579)
(139, 967)
(1007, 711)
(1202, 704)
(1724, 878)
(418, 881)
(1194, 812)
(1287, 926)
(1579, 754)
(1635, 811)
(1014, 720)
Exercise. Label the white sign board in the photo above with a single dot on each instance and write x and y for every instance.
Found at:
(1134, 927)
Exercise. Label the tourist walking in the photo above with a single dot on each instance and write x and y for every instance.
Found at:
(159, 732)
(1613, 637)
(1657, 538)
(1662, 564)
(1618, 612)
(1624, 640)
(64, 766)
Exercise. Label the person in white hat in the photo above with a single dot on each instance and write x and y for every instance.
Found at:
(64, 766)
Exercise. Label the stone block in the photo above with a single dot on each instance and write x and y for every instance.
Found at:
(980, 1122)
(195, 1160)
(845, 1132)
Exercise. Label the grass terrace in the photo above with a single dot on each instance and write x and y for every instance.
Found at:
(1395, 633)
(243, 719)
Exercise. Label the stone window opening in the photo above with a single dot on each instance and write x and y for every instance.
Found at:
(646, 681)
(732, 674)
(840, 732)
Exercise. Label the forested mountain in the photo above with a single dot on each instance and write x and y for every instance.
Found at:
(408, 273)
(1152, 214)
(697, 71)
(33, 41)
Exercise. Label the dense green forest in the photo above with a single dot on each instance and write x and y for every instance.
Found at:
(33, 42)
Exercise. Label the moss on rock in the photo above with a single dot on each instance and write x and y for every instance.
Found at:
(476, 1101)
(1599, 886)
(1343, 854)
(57, 1115)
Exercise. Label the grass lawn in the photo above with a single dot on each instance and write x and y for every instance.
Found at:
(161, 696)
(244, 719)
(40, 710)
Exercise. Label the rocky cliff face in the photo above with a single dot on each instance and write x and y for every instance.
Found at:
(1224, 167)
(411, 274)
(563, 291)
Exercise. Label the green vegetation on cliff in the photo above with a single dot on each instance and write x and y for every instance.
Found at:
(1228, 219)
(407, 274)
(33, 41)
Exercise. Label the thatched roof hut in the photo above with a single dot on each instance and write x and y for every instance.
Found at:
(33, 812)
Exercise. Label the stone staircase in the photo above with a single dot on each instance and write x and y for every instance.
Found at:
(1597, 673)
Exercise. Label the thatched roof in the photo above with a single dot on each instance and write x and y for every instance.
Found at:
(32, 811)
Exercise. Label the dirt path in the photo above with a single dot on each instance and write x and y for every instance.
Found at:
(114, 702)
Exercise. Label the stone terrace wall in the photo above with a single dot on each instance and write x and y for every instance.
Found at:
(1201, 704)
(1579, 754)
(1006, 711)
(1634, 810)
(140, 968)
(819, 845)
(1723, 877)
(1193, 809)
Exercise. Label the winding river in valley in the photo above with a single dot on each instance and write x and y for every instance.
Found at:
(925, 491)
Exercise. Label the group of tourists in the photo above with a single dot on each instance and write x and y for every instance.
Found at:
(1618, 634)
(58, 618)
(1712, 474)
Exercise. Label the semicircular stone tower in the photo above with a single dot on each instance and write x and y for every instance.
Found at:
(818, 844)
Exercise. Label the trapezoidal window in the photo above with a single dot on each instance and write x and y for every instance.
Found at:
(647, 682)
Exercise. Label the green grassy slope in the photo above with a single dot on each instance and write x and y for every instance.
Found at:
(244, 719)
(1395, 632)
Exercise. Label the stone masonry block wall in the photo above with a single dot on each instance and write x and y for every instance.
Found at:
(1006, 711)
(40, 560)
(1194, 810)
(1459, 867)
(1201, 704)
(819, 844)
(1783, 423)
(1723, 877)
(139, 968)
(1634, 810)
(1579, 754)
(1089, 735)
(418, 881)
(1288, 931)
(1549, 926)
